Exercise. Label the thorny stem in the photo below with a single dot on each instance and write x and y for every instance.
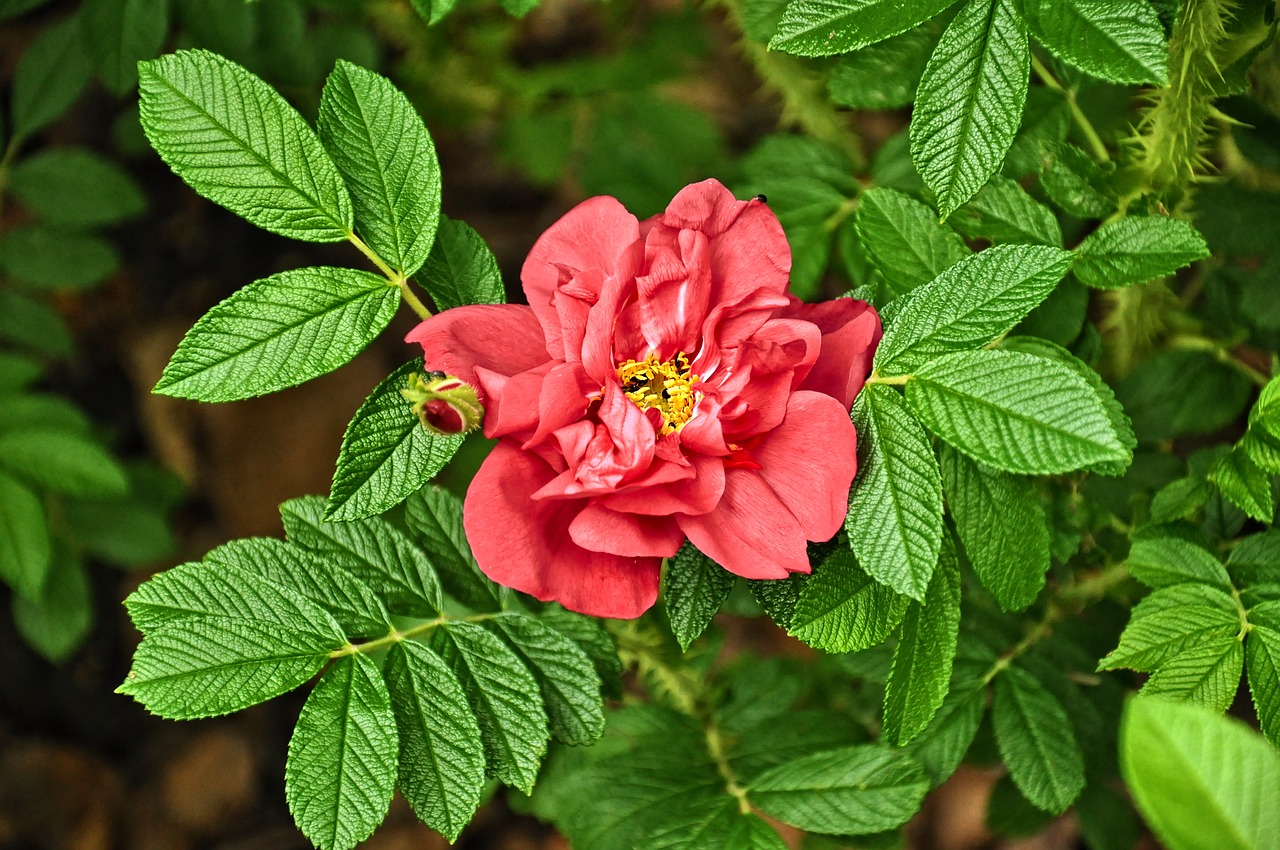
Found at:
(1222, 353)
(395, 635)
(1091, 136)
(1068, 600)
(394, 277)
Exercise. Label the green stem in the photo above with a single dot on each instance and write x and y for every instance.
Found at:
(395, 635)
(889, 380)
(1096, 146)
(1221, 353)
(394, 277)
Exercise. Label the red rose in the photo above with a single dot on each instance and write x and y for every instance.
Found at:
(662, 385)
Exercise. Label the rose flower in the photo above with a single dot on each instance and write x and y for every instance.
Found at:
(662, 384)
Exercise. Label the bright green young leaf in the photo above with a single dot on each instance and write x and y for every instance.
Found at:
(842, 609)
(1120, 41)
(694, 588)
(1164, 561)
(57, 620)
(943, 744)
(216, 589)
(234, 140)
(1002, 525)
(211, 666)
(279, 332)
(341, 769)
(25, 550)
(922, 661)
(350, 602)
(1169, 622)
(970, 100)
(1036, 741)
(884, 75)
(387, 158)
(44, 258)
(75, 187)
(969, 304)
(904, 240)
(441, 754)
(1207, 673)
(386, 453)
(1135, 249)
(1075, 183)
(34, 325)
(853, 790)
(121, 33)
(569, 683)
(1003, 212)
(434, 517)
(1247, 486)
(50, 76)
(461, 269)
(1203, 782)
(61, 461)
(895, 515)
(372, 550)
(1015, 412)
(825, 27)
(1262, 660)
(505, 697)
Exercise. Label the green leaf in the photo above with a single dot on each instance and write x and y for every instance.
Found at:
(895, 515)
(441, 754)
(590, 636)
(50, 76)
(75, 187)
(1075, 183)
(61, 461)
(348, 600)
(221, 590)
(946, 740)
(969, 304)
(853, 790)
(1207, 672)
(25, 550)
(385, 155)
(16, 372)
(1135, 249)
(370, 549)
(37, 411)
(1169, 622)
(1165, 561)
(1262, 659)
(1036, 741)
(386, 453)
(56, 621)
(504, 696)
(129, 533)
(341, 769)
(1120, 41)
(1015, 412)
(33, 325)
(1001, 523)
(904, 240)
(921, 673)
(694, 588)
(279, 332)
(124, 31)
(1003, 212)
(970, 100)
(461, 269)
(884, 75)
(434, 516)
(842, 609)
(1203, 782)
(211, 666)
(234, 140)
(1180, 499)
(1178, 392)
(825, 27)
(1247, 487)
(569, 683)
(778, 597)
(44, 258)
(1255, 559)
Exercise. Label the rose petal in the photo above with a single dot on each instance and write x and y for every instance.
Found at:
(525, 544)
(504, 338)
(603, 530)
(850, 332)
(750, 532)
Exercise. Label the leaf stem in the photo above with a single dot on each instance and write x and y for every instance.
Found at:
(889, 380)
(394, 277)
(1091, 136)
(1221, 353)
(396, 635)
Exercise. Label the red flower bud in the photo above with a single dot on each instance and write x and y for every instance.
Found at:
(444, 404)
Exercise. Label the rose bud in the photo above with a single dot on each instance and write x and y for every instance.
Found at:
(444, 404)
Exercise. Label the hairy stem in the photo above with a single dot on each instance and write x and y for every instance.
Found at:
(1096, 147)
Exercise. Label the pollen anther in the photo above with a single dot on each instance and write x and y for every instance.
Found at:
(664, 386)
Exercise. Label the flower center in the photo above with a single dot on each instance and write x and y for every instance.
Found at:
(666, 387)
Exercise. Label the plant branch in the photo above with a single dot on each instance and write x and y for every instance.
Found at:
(1096, 146)
(396, 635)
(394, 277)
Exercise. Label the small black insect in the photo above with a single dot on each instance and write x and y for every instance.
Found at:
(762, 199)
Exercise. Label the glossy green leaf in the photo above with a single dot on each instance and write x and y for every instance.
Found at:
(1170, 622)
(843, 609)
(1120, 41)
(1247, 486)
(824, 27)
(904, 240)
(694, 587)
(1034, 734)
(1262, 660)
(1165, 561)
(1135, 249)
(434, 517)
(1207, 673)
(279, 332)
(461, 269)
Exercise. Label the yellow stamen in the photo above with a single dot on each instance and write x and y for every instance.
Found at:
(667, 387)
